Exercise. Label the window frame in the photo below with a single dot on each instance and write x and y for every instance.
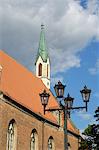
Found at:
(11, 136)
(40, 69)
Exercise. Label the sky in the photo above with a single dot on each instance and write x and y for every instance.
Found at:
(72, 36)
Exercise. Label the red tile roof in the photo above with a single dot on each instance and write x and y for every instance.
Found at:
(24, 87)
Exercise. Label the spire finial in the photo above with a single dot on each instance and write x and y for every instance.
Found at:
(42, 26)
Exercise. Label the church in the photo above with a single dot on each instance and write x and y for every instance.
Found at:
(23, 124)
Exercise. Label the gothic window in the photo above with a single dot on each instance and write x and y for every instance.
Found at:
(40, 70)
(34, 140)
(11, 136)
(51, 143)
(69, 147)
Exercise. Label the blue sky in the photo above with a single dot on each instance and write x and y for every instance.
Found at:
(75, 79)
(82, 76)
(72, 35)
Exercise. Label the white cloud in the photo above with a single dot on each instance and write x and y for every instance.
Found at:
(84, 115)
(63, 60)
(55, 79)
(93, 6)
(95, 70)
(70, 28)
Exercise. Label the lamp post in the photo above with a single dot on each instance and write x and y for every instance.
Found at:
(67, 106)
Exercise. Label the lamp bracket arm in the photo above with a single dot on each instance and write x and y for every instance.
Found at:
(76, 108)
(53, 109)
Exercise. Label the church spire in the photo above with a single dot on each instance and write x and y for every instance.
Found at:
(42, 60)
(42, 50)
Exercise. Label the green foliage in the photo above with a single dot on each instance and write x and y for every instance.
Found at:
(89, 131)
(91, 135)
(83, 145)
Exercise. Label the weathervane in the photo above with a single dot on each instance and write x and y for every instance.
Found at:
(42, 26)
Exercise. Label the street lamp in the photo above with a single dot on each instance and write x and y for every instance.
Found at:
(68, 101)
(67, 106)
(85, 95)
(44, 99)
(59, 89)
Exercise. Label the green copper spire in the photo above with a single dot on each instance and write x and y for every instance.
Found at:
(42, 50)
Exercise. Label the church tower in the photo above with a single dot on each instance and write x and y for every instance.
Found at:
(43, 61)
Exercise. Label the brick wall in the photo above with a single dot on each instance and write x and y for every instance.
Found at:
(25, 124)
(73, 141)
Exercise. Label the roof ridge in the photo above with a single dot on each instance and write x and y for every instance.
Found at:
(73, 124)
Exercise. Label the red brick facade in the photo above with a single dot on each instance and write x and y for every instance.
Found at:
(25, 123)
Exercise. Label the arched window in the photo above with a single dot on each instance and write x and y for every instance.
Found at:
(40, 70)
(51, 145)
(69, 147)
(11, 136)
(34, 140)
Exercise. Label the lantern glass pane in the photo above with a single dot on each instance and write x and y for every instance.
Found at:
(56, 91)
(69, 103)
(85, 97)
(60, 93)
(44, 100)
